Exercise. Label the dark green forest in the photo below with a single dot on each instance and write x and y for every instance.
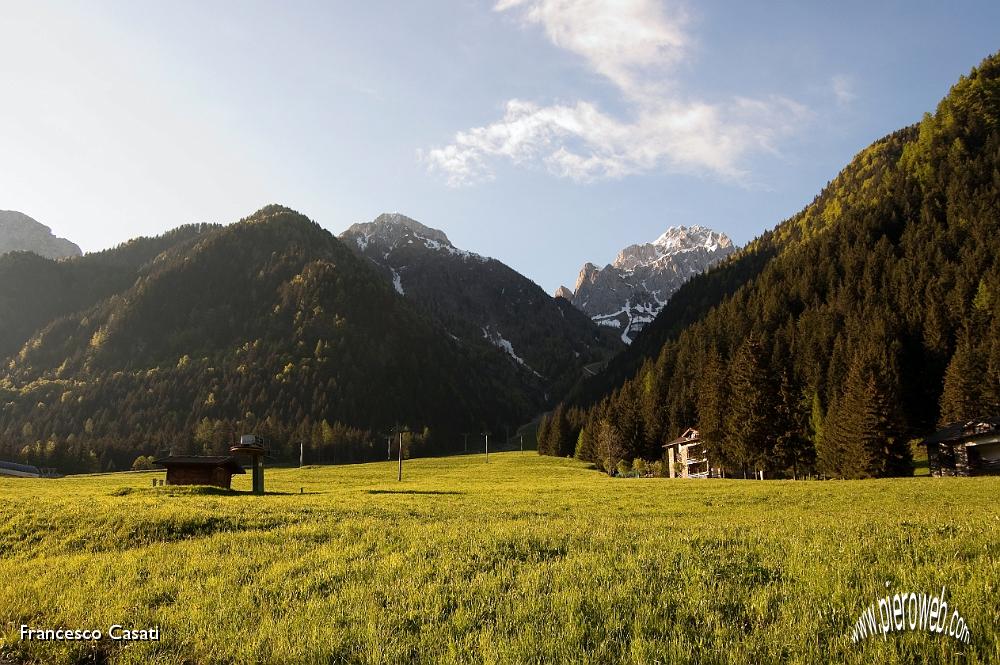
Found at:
(833, 340)
(270, 325)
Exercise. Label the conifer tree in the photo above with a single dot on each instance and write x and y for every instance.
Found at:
(792, 447)
(751, 407)
(961, 398)
(862, 437)
(711, 406)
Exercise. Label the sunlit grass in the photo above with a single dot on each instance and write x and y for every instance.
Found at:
(526, 559)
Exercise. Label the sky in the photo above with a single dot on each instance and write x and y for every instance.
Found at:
(545, 133)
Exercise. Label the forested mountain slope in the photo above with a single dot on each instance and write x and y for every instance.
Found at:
(270, 325)
(35, 290)
(484, 303)
(829, 342)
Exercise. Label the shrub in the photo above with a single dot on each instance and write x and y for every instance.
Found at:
(622, 468)
(640, 467)
(143, 464)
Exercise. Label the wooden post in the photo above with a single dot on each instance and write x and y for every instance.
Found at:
(302, 453)
(400, 457)
(487, 447)
(522, 443)
(258, 474)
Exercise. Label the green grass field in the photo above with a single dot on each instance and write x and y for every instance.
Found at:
(523, 560)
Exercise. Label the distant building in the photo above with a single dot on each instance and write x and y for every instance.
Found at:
(687, 457)
(217, 470)
(965, 448)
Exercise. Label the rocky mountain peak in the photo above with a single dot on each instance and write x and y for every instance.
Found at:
(20, 233)
(390, 232)
(391, 227)
(675, 240)
(629, 292)
(563, 292)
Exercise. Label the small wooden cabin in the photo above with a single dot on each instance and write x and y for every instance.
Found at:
(965, 448)
(217, 470)
(687, 458)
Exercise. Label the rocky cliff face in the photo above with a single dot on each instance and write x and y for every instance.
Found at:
(483, 303)
(20, 233)
(629, 293)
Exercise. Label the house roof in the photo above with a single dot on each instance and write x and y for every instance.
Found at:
(227, 462)
(965, 430)
(690, 435)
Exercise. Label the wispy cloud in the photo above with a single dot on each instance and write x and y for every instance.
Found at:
(635, 45)
(843, 89)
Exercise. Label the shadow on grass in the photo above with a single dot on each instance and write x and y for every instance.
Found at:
(192, 490)
(428, 492)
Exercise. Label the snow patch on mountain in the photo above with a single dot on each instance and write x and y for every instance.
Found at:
(391, 231)
(495, 338)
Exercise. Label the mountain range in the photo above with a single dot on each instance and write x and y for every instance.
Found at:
(822, 347)
(628, 293)
(273, 325)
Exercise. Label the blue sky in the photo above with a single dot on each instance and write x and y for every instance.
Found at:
(545, 133)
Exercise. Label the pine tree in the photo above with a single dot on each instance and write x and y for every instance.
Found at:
(792, 448)
(751, 408)
(711, 406)
(542, 435)
(961, 398)
(862, 437)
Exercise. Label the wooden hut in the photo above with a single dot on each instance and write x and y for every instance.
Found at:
(214, 470)
(965, 448)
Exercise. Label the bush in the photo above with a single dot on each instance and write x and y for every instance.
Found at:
(143, 464)
(640, 467)
(622, 468)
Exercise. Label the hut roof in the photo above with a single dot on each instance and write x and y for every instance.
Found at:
(963, 430)
(228, 462)
(690, 435)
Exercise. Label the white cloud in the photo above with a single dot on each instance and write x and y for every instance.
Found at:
(628, 41)
(635, 45)
(843, 89)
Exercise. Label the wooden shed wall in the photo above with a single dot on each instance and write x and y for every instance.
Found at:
(199, 475)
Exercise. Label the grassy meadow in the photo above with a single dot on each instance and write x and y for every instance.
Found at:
(522, 560)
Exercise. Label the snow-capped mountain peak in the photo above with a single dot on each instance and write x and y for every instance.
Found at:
(675, 240)
(629, 292)
(391, 231)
